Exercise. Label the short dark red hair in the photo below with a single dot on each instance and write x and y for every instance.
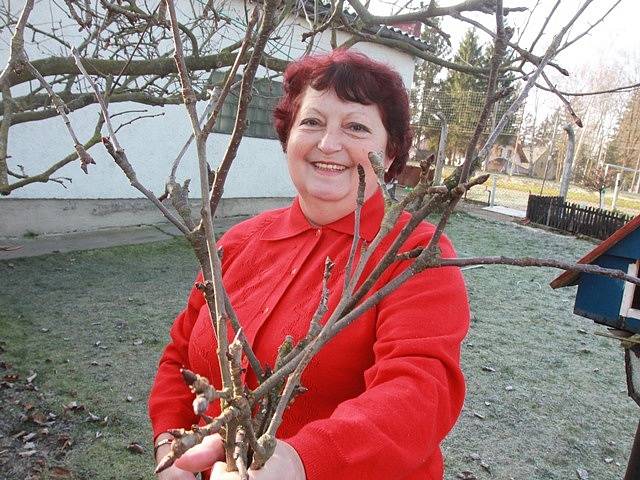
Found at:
(355, 78)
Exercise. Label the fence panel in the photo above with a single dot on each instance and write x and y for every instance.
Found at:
(570, 217)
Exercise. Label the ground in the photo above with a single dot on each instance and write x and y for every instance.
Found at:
(546, 396)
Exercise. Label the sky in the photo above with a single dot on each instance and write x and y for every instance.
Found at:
(613, 45)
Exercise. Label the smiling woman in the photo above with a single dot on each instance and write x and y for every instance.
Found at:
(384, 393)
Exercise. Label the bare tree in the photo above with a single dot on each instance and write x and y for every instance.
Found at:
(138, 44)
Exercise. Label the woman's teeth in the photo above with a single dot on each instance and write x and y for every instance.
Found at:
(329, 166)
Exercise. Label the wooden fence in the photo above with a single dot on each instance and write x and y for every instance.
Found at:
(570, 217)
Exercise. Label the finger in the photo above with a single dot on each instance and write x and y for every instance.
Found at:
(203, 455)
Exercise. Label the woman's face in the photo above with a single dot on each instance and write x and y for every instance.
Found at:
(328, 139)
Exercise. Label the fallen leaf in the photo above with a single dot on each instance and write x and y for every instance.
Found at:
(59, 472)
(129, 398)
(466, 475)
(74, 407)
(93, 418)
(474, 456)
(30, 436)
(38, 418)
(98, 434)
(485, 465)
(27, 453)
(19, 434)
(508, 388)
(137, 342)
(582, 474)
(135, 447)
(486, 368)
(11, 377)
(32, 377)
(478, 415)
(44, 329)
(608, 460)
(582, 330)
(64, 441)
(5, 365)
(29, 446)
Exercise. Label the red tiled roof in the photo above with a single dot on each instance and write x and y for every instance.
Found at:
(570, 278)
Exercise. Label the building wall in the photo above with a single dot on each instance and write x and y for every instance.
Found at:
(152, 144)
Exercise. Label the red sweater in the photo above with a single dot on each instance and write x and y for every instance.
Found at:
(382, 394)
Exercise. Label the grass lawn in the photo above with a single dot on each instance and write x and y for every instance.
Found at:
(545, 395)
(513, 191)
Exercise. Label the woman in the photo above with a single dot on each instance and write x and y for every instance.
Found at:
(383, 394)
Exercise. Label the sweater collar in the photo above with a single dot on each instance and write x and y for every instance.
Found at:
(293, 222)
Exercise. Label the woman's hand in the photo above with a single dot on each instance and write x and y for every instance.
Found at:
(284, 464)
(197, 459)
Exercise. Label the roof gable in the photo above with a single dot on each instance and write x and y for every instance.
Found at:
(570, 278)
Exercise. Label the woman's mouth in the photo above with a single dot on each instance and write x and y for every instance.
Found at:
(329, 167)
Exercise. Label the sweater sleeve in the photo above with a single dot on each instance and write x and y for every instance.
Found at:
(170, 400)
(414, 390)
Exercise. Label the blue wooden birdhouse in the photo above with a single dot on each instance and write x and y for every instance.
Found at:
(606, 300)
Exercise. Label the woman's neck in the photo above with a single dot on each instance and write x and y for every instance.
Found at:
(324, 213)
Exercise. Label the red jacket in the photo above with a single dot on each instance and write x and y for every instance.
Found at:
(382, 394)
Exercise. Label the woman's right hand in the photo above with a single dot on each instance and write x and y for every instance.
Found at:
(198, 458)
(173, 472)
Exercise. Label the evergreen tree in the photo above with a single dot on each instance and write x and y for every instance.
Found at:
(464, 94)
(470, 53)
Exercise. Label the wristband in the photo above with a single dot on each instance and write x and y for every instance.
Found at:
(160, 444)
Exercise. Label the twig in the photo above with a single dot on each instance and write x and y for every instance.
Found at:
(356, 229)
(574, 116)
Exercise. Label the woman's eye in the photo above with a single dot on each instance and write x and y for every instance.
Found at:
(312, 122)
(358, 127)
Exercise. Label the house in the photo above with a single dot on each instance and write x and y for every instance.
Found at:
(607, 300)
(104, 198)
(509, 159)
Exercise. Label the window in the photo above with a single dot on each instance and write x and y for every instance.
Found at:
(266, 94)
(630, 306)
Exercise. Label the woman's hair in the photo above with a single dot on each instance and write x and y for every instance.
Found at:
(355, 78)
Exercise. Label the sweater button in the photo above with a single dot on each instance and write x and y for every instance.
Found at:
(293, 271)
(318, 232)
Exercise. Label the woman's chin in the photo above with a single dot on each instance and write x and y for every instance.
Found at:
(324, 194)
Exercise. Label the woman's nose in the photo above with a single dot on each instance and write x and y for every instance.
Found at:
(330, 142)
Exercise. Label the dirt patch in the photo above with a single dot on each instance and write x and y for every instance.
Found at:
(33, 440)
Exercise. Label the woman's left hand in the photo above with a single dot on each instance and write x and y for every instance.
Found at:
(284, 464)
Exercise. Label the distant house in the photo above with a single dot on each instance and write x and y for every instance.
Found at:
(607, 300)
(509, 159)
(543, 165)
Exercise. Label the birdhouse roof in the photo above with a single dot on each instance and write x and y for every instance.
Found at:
(571, 278)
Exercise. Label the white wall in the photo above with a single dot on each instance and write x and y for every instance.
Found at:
(152, 144)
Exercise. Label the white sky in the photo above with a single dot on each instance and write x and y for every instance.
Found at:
(613, 45)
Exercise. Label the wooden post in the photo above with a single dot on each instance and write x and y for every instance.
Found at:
(568, 161)
(444, 131)
(633, 468)
(616, 190)
(494, 187)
